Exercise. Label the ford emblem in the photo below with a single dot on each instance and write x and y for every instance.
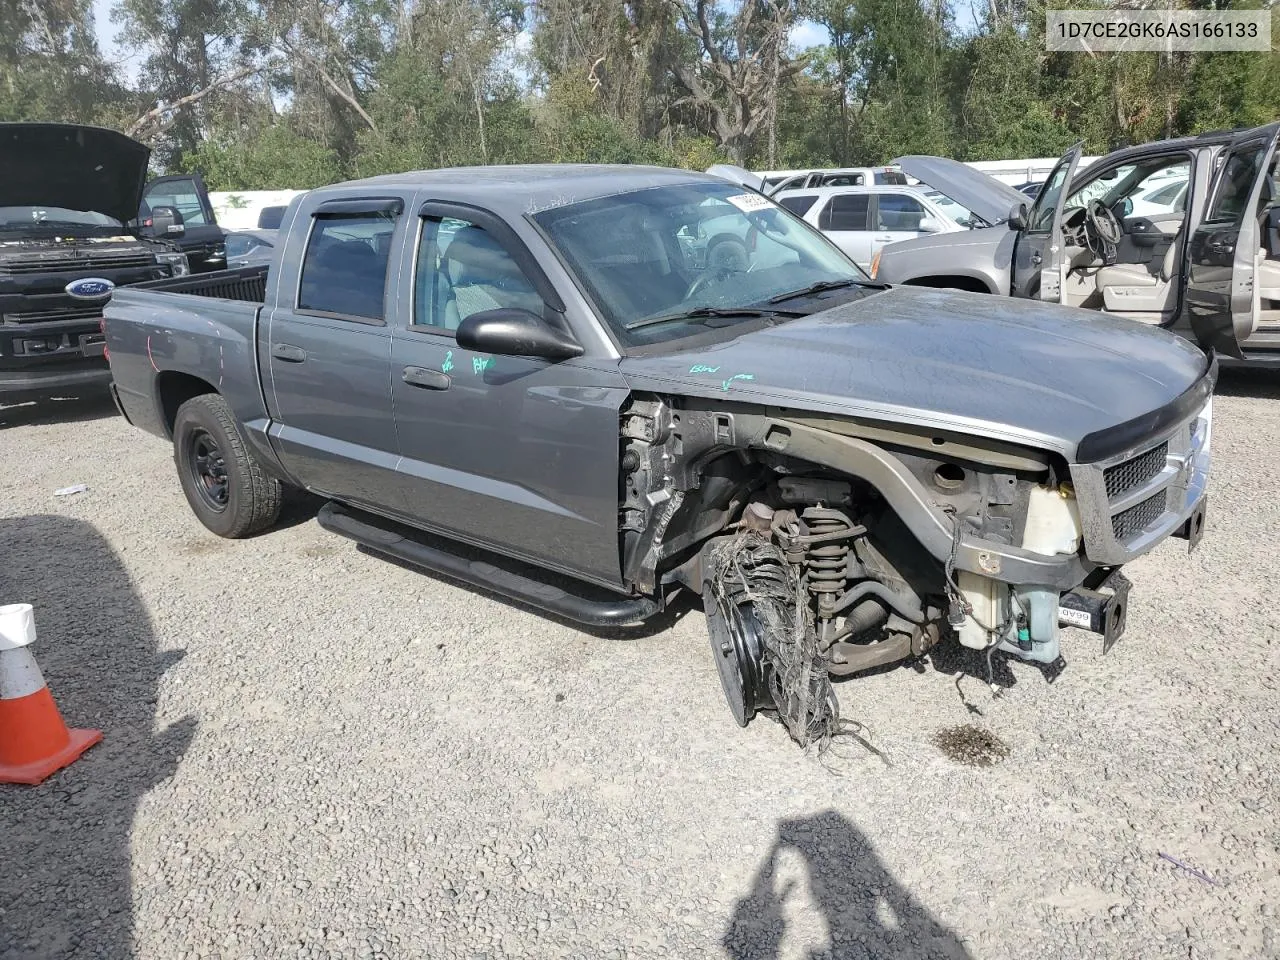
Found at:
(89, 288)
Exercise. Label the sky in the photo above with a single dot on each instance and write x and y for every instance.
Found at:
(106, 31)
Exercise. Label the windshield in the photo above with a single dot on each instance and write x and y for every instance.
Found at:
(36, 216)
(666, 251)
(961, 215)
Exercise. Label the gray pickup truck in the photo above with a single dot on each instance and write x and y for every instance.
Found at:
(514, 377)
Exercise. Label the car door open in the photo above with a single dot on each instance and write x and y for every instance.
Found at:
(1226, 256)
(1037, 260)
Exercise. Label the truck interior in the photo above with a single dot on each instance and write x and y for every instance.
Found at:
(1127, 266)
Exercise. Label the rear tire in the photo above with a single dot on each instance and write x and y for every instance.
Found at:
(225, 486)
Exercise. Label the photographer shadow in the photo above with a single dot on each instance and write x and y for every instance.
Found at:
(66, 869)
(823, 894)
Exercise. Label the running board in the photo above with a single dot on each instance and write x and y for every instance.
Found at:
(386, 537)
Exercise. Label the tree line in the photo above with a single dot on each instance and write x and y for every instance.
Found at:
(260, 94)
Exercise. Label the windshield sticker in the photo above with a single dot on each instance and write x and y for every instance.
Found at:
(480, 364)
(737, 376)
(702, 368)
(448, 362)
(750, 202)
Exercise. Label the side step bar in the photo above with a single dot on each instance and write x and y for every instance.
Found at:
(385, 537)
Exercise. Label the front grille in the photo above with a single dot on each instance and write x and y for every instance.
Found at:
(1137, 518)
(61, 313)
(1123, 477)
(121, 261)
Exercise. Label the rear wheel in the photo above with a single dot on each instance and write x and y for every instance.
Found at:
(225, 486)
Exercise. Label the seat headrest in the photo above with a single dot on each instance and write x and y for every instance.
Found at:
(478, 254)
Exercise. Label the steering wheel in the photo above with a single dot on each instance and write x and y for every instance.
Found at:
(700, 283)
(1104, 223)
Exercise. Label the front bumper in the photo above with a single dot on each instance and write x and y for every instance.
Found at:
(52, 378)
(1154, 489)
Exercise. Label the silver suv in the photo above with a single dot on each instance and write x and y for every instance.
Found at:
(1201, 258)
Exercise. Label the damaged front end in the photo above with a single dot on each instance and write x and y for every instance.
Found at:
(828, 546)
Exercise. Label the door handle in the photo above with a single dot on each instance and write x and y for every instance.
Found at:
(288, 352)
(423, 377)
(883, 239)
(1036, 258)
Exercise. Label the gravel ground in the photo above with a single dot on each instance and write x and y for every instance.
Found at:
(311, 752)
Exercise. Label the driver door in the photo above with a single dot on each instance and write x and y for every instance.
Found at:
(1037, 260)
(1225, 256)
(514, 453)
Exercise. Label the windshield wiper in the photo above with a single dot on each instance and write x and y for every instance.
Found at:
(822, 285)
(700, 313)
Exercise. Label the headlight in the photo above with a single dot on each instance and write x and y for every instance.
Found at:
(177, 263)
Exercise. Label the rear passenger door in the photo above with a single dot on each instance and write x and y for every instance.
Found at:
(515, 453)
(1227, 257)
(897, 217)
(328, 351)
(845, 219)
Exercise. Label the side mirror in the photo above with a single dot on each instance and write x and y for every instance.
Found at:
(929, 225)
(167, 221)
(1018, 216)
(1123, 208)
(513, 332)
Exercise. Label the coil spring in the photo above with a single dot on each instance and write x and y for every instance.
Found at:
(826, 562)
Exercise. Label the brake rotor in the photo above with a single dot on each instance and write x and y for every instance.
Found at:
(737, 644)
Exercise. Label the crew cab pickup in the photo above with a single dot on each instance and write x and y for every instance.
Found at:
(67, 196)
(514, 377)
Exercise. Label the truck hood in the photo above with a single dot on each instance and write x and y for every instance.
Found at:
(1041, 375)
(984, 195)
(72, 166)
(970, 253)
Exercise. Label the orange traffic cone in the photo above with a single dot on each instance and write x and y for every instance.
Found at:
(34, 742)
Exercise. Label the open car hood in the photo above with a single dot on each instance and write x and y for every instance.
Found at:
(734, 174)
(976, 191)
(72, 166)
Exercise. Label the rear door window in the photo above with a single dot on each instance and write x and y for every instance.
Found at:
(846, 212)
(898, 212)
(799, 205)
(344, 269)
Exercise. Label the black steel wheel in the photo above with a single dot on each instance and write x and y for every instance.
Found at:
(208, 469)
(225, 485)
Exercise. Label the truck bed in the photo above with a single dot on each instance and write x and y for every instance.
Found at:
(247, 284)
(172, 338)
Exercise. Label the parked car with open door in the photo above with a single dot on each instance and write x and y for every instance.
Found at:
(861, 220)
(1206, 266)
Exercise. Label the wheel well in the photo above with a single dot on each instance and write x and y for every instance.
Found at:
(951, 283)
(174, 389)
(720, 238)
